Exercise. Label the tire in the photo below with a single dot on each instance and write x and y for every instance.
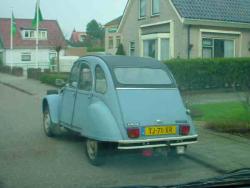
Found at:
(47, 124)
(95, 152)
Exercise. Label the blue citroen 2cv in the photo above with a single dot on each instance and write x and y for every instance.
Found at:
(129, 103)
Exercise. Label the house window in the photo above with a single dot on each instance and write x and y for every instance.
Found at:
(26, 57)
(149, 48)
(111, 43)
(132, 48)
(156, 46)
(165, 49)
(82, 38)
(42, 35)
(26, 34)
(31, 34)
(118, 41)
(217, 48)
(1, 58)
(155, 7)
(143, 8)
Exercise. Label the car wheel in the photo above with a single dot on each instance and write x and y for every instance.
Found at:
(95, 152)
(47, 124)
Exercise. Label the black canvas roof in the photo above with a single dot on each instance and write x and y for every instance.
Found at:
(128, 61)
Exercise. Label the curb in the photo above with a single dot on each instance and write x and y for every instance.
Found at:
(17, 88)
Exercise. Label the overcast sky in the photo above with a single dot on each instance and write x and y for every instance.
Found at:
(69, 13)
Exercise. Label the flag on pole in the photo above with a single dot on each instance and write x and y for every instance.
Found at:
(38, 16)
(13, 25)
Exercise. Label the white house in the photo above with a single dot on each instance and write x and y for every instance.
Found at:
(24, 43)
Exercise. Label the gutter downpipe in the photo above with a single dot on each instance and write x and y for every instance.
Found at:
(189, 45)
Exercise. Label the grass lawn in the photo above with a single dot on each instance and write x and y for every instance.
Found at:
(231, 117)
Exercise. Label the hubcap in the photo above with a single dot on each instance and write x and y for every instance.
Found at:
(46, 122)
(92, 148)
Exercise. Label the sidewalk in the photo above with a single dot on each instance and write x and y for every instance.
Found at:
(221, 151)
(30, 86)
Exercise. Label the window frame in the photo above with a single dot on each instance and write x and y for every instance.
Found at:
(131, 48)
(109, 42)
(152, 9)
(103, 93)
(23, 54)
(118, 38)
(140, 10)
(213, 47)
(42, 34)
(158, 37)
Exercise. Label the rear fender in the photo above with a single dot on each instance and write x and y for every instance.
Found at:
(104, 126)
(53, 102)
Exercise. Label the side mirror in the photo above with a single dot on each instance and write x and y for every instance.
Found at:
(60, 82)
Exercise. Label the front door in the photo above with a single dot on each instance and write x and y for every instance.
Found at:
(69, 95)
(83, 97)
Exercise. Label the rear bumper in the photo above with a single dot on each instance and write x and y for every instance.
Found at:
(156, 143)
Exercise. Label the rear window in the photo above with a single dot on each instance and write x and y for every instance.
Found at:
(145, 77)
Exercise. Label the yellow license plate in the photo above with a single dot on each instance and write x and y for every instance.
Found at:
(160, 130)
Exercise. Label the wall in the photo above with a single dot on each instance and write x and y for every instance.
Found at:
(131, 28)
(81, 51)
(43, 58)
(114, 35)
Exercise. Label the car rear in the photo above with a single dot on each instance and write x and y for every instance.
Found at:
(152, 108)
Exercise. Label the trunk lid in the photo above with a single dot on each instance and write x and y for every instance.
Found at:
(152, 107)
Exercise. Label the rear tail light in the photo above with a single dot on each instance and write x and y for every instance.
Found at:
(184, 130)
(133, 132)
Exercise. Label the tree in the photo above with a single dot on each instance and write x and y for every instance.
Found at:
(95, 30)
(120, 50)
(58, 44)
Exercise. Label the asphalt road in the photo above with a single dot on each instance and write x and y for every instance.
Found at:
(29, 159)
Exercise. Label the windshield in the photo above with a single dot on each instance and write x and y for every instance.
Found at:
(144, 77)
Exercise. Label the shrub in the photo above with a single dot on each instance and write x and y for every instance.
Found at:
(120, 50)
(5, 69)
(95, 49)
(50, 78)
(196, 74)
(33, 73)
(17, 71)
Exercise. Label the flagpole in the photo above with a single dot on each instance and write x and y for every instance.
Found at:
(37, 30)
(11, 39)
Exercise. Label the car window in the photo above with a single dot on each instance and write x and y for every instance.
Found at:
(74, 76)
(100, 80)
(85, 82)
(142, 76)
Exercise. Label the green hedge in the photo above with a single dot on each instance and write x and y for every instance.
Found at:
(16, 71)
(96, 49)
(50, 78)
(197, 74)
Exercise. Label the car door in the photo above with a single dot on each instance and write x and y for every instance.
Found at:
(69, 95)
(83, 97)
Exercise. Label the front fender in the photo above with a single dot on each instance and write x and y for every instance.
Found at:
(103, 126)
(53, 102)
